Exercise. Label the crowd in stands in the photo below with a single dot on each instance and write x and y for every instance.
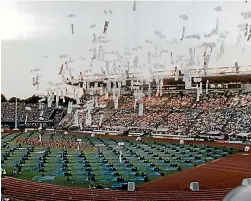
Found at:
(169, 101)
(58, 117)
(29, 113)
(240, 122)
(212, 101)
(107, 116)
(66, 121)
(210, 121)
(227, 112)
(179, 121)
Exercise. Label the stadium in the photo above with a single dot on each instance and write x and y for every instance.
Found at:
(126, 130)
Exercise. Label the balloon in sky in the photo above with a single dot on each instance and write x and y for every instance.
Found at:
(184, 17)
(93, 25)
(246, 15)
(218, 9)
(71, 15)
(193, 36)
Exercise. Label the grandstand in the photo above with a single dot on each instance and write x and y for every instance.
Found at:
(225, 112)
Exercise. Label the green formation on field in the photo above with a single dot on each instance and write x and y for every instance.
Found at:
(141, 161)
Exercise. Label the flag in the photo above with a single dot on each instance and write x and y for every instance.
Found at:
(134, 5)
(207, 83)
(100, 120)
(105, 27)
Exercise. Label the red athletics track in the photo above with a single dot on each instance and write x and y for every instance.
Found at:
(225, 172)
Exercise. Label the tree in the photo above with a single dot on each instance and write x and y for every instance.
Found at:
(3, 99)
(13, 99)
(32, 99)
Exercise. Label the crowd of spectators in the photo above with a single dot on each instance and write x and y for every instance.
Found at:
(33, 111)
(212, 101)
(66, 121)
(179, 121)
(210, 121)
(7, 112)
(227, 112)
(169, 101)
(240, 121)
(58, 117)
(107, 116)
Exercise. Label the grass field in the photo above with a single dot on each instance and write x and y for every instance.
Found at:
(143, 156)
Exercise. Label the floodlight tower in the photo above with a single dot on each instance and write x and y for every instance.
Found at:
(16, 115)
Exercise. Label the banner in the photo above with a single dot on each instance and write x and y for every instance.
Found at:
(69, 109)
(198, 92)
(149, 90)
(116, 102)
(76, 118)
(141, 109)
(101, 119)
(207, 87)
(106, 95)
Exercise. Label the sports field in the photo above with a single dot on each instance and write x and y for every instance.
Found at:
(141, 162)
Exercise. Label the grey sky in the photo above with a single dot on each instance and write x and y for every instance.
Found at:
(44, 30)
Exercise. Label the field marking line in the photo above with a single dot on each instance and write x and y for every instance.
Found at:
(223, 166)
(225, 170)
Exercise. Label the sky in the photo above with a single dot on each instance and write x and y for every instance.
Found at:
(35, 34)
